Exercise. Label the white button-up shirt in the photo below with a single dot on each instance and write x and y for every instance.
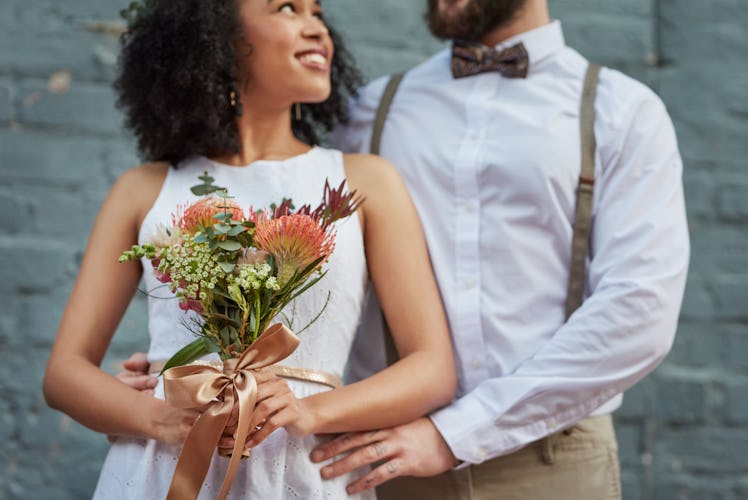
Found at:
(493, 165)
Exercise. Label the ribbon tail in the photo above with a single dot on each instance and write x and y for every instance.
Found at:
(197, 452)
(246, 391)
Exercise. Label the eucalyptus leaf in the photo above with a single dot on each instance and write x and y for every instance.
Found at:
(200, 190)
(229, 245)
(227, 267)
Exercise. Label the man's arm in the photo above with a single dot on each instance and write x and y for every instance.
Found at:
(626, 326)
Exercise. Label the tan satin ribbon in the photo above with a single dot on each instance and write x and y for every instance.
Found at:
(201, 385)
(294, 372)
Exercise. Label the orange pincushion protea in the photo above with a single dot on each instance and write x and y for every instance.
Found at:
(201, 213)
(296, 241)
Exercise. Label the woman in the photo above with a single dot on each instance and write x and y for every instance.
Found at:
(211, 86)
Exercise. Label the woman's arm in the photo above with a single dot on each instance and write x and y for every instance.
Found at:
(73, 382)
(399, 266)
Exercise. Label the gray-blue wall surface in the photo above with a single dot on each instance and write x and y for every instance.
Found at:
(683, 431)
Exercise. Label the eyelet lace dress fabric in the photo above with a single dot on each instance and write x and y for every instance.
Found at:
(280, 467)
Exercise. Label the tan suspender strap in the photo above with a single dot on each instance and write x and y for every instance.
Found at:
(384, 107)
(583, 216)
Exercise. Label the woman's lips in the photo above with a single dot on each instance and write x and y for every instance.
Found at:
(314, 59)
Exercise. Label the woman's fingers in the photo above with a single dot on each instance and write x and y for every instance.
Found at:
(281, 396)
(276, 407)
(280, 419)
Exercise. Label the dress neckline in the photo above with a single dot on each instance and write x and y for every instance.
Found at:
(294, 158)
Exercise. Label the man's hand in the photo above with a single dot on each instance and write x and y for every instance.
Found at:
(414, 449)
(135, 373)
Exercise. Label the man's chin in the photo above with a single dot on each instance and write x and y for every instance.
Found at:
(448, 9)
(469, 19)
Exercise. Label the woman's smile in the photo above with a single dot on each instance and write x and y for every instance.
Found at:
(316, 59)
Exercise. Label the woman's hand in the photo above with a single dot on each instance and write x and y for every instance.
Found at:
(276, 407)
(169, 424)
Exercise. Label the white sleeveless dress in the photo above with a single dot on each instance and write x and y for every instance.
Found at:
(280, 467)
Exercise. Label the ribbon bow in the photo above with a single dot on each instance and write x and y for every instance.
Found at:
(472, 58)
(195, 386)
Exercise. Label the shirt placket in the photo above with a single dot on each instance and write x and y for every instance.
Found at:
(468, 334)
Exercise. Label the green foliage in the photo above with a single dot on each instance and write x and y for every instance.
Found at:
(189, 353)
(137, 252)
(206, 187)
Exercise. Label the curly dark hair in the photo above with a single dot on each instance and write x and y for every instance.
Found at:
(175, 72)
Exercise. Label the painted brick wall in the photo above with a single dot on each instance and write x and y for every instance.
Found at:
(682, 431)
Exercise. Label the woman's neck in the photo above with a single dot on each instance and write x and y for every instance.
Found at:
(264, 135)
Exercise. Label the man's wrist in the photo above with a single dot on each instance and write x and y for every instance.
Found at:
(455, 462)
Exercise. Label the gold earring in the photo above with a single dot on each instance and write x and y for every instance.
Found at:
(297, 110)
(235, 103)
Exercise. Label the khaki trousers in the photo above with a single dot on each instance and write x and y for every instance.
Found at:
(580, 463)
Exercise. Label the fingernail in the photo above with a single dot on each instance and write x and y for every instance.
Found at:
(251, 443)
(317, 456)
(326, 471)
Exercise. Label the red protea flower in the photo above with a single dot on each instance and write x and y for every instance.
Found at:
(336, 204)
(202, 213)
(296, 241)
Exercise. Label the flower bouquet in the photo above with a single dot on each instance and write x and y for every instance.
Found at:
(238, 272)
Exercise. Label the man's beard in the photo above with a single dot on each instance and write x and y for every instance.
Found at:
(473, 21)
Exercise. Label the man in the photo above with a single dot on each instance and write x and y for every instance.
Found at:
(492, 161)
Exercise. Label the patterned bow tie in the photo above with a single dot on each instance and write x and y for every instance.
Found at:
(471, 58)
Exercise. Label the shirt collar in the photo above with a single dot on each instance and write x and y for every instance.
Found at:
(539, 42)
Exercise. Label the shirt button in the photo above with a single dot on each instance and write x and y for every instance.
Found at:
(469, 283)
(475, 136)
(469, 207)
(552, 424)
(475, 363)
(482, 453)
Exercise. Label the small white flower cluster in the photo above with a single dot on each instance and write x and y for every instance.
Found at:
(191, 267)
(256, 276)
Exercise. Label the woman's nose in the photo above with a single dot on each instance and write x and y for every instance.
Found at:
(314, 27)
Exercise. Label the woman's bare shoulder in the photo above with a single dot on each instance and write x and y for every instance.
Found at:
(137, 188)
(144, 175)
(366, 172)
